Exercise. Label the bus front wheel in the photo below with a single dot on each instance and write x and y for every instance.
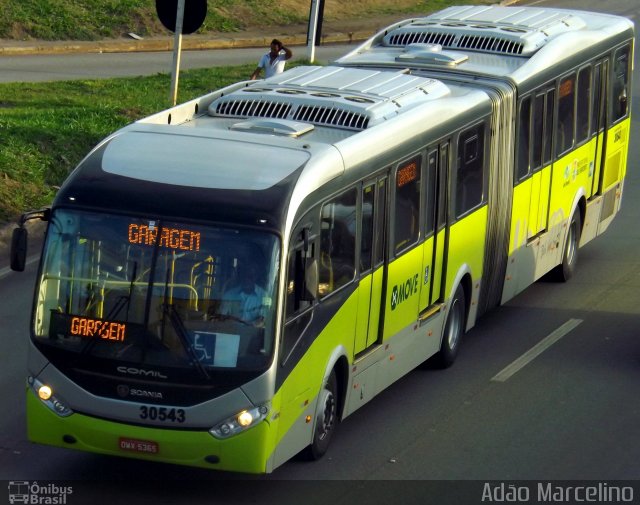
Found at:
(453, 330)
(326, 418)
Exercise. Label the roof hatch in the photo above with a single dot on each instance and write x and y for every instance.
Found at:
(274, 127)
(431, 54)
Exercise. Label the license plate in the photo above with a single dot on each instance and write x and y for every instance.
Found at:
(135, 445)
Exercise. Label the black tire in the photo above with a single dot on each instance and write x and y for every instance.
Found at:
(453, 331)
(566, 269)
(326, 419)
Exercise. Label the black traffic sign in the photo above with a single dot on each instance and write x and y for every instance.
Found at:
(194, 13)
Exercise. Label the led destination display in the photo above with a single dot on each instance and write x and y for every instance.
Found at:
(171, 238)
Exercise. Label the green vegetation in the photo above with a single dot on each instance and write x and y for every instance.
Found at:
(47, 128)
(75, 19)
(101, 19)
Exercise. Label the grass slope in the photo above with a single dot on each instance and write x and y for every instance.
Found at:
(99, 19)
(47, 128)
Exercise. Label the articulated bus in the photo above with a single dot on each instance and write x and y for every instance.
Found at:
(223, 282)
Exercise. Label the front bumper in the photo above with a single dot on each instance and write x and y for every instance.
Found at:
(247, 452)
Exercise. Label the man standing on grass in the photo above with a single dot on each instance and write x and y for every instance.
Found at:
(273, 61)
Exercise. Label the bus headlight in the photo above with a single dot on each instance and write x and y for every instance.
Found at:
(240, 422)
(47, 396)
(44, 393)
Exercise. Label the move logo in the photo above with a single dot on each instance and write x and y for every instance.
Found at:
(404, 291)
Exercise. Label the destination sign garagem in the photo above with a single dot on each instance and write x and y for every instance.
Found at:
(171, 238)
(90, 328)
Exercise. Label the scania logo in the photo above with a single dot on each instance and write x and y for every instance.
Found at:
(141, 372)
(123, 390)
(146, 394)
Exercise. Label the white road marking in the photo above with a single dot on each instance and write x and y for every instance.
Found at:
(7, 270)
(536, 350)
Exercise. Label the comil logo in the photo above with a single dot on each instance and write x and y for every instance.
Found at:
(38, 494)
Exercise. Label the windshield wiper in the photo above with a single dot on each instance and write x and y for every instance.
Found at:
(169, 309)
(131, 286)
(183, 335)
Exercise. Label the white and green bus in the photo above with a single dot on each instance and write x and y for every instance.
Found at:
(222, 282)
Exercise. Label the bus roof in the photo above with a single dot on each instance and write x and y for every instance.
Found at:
(255, 145)
(517, 42)
(304, 111)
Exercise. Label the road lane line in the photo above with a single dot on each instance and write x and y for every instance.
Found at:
(7, 270)
(536, 350)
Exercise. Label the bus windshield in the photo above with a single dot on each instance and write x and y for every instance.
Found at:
(154, 292)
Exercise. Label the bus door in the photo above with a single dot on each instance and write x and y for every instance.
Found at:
(372, 264)
(435, 192)
(598, 123)
(617, 133)
(540, 124)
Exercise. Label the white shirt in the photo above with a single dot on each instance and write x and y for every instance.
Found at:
(271, 69)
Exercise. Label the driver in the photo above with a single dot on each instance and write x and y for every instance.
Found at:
(246, 300)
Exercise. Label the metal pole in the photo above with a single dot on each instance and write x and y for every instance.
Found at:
(177, 47)
(313, 24)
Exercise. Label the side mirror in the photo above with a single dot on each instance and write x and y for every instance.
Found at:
(19, 249)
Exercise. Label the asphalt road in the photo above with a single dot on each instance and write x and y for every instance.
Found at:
(572, 413)
(39, 68)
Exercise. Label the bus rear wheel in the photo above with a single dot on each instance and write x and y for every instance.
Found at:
(565, 270)
(326, 419)
(453, 331)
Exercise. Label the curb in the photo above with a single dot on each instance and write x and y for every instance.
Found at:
(166, 44)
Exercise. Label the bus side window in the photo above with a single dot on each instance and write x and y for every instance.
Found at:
(294, 265)
(537, 133)
(298, 295)
(620, 93)
(337, 242)
(407, 204)
(548, 126)
(430, 194)
(566, 114)
(583, 107)
(380, 224)
(596, 112)
(524, 136)
(366, 240)
(470, 169)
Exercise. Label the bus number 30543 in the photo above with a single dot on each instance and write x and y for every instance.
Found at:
(162, 414)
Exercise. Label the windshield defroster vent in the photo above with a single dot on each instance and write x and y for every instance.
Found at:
(485, 43)
(253, 108)
(404, 39)
(331, 116)
(492, 44)
(314, 114)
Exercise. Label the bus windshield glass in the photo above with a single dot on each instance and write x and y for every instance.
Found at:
(147, 291)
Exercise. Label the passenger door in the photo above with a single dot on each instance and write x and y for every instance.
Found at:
(372, 262)
(404, 276)
(435, 227)
(598, 121)
(618, 132)
(542, 118)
